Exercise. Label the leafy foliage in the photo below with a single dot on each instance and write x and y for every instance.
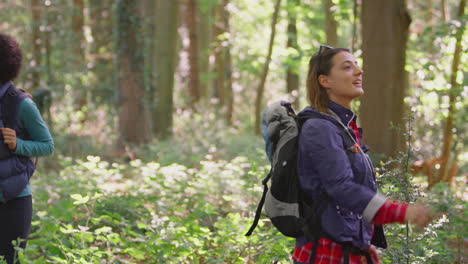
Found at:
(101, 212)
(189, 199)
(97, 211)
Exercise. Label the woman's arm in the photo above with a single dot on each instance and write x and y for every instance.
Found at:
(391, 212)
(322, 154)
(399, 212)
(41, 142)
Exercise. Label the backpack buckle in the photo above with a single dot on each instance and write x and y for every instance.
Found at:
(354, 148)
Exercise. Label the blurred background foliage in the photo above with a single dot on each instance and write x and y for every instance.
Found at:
(153, 107)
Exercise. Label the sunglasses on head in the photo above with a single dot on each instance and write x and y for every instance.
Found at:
(319, 55)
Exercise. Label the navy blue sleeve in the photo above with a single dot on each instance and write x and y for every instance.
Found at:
(324, 164)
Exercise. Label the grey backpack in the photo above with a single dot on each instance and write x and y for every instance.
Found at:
(285, 204)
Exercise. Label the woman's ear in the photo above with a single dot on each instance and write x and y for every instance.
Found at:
(324, 81)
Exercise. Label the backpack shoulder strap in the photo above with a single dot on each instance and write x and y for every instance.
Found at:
(260, 205)
(11, 100)
(348, 140)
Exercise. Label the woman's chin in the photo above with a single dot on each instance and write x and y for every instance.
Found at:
(359, 92)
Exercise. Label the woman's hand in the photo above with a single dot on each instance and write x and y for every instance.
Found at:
(419, 215)
(9, 137)
(374, 253)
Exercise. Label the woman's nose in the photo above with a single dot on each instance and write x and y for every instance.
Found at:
(358, 71)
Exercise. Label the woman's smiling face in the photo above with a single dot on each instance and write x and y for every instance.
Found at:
(344, 82)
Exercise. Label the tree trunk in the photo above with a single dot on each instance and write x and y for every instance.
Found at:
(449, 123)
(229, 91)
(355, 25)
(292, 75)
(330, 24)
(223, 83)
(194, 74)
(431, 25)
(36, 43)
(261, 85)
(78, 32)
(385, 32)
(228, 68)
(78, 55)
(49, 17)
(133, 122)
(443, 9)
(147, 13)
(218, 30)
(205, 29)
(167, 18)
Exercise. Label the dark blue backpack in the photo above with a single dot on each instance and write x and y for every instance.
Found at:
(9, 114)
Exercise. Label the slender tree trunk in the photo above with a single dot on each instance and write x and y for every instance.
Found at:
(205, 29)
(443, 9)
(133, 121)
(355, 24)
(222, 54)
(147, 11)
(48, 50)
(223, 87)
(228, 68)
(292, 75)
(192, 25)
(229, 91)
(78, 53)
(431, 24)
(167, 21)
(449, 123)
(218, 30)
(36, 42)
(78, 32)
(385, 31)
(330, 24)
(261, 86)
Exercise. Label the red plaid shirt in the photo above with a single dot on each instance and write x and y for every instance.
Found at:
(329, 252)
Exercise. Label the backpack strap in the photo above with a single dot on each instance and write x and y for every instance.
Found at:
(9, 108)
(10, 105)
(260, 205)
(348, 248)
(312, 211)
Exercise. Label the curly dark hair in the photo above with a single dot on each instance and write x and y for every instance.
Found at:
(10, 58)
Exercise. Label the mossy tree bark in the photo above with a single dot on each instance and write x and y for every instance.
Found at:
(164, 63)
(133, 116)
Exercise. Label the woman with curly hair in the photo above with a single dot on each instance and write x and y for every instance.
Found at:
(23, 136)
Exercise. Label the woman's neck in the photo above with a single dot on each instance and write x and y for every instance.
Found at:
(346, 103)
